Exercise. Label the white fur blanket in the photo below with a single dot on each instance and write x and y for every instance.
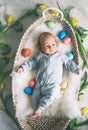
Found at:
(66, 105)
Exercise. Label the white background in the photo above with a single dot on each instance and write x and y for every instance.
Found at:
(16, 8)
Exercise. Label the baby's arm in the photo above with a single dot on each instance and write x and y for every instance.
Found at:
(29, 64)
(70, 65)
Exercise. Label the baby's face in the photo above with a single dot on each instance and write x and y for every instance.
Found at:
(49, 46)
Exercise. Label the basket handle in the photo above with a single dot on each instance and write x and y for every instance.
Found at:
(52, 8)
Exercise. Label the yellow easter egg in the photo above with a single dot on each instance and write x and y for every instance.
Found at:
(2, 86)
(64, 84)
(10, 19)
(84, 110)
(74, 21)
(52, 11)
(11, 54)
(42, 6)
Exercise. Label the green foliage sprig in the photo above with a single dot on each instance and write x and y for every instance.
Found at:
(17, 25)
(80, 33)
(5, 51)
(83, 85)
(73, 125)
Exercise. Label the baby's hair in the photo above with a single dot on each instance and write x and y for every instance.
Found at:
(43, 37)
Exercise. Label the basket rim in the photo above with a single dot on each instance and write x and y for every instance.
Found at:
(23, 123)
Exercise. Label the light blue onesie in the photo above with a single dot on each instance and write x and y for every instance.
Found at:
(49, 76)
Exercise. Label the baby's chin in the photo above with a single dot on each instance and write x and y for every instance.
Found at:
(51, 53)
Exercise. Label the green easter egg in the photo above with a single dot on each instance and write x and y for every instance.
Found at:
(50, 24)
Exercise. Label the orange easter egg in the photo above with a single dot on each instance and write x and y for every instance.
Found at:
(25, 52)
(64, 84)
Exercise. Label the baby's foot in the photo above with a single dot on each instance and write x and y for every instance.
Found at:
(37, 113)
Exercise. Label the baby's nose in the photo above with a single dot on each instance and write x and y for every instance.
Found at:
(51, 48)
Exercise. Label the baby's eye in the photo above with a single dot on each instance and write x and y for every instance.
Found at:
(46, 46)
(53, 44)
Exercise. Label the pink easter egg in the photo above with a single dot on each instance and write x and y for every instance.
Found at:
(31, 83)
(66, 40)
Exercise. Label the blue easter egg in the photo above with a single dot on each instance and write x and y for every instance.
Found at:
(70, 55)
(62, 34)
(28, 90)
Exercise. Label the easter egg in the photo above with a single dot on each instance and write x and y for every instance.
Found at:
(74, 21)
(9, 19)
(28, 91)
(52, 11)
(70, 55)
(31, 83)
(84, 110)
(50, 24)
(64, 84)
(62, 34)
(66, 40)
(42, 6)
(25, 52)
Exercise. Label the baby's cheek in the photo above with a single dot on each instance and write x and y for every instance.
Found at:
(46, 51)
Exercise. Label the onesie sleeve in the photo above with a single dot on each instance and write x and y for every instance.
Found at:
(70, 65)
(30, 64)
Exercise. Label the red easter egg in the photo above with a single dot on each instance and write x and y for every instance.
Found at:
(66, 40)
(31, 83)
(25, 52)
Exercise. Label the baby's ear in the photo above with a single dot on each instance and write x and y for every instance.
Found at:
(57, 41)
(39, 47)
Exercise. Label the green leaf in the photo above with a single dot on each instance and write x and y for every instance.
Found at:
(73, 123)
(82, 123)
(3, 62)
(84, 78)
(60, 8)
(83, 87)
(81, 48)
(4, 49)
(4, 74)
(84, 83)
(84, 65)
(18, 26)
(67, 14)
(6, 98)
(81, 30)
(80, 94)
(83, 36)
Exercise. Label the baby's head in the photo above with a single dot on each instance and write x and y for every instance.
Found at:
(47, 43)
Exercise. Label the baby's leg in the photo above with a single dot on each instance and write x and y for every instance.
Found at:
(49, 95)
(35, 98)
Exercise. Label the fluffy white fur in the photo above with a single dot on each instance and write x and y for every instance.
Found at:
(66, 105)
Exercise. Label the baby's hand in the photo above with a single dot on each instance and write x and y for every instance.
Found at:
(80, 72)
(19, 70)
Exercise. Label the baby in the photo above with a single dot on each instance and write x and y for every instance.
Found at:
(49, 65)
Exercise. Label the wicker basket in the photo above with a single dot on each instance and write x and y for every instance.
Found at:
(45, 122)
